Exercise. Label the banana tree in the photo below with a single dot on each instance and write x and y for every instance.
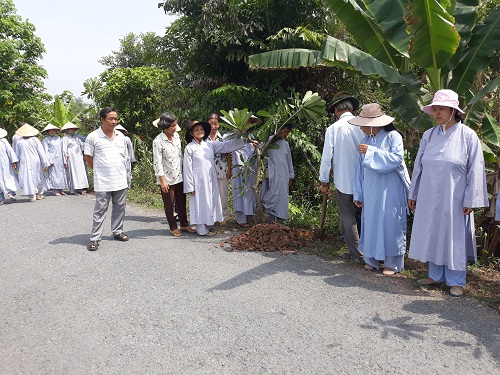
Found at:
(309, 108)
(393, 37)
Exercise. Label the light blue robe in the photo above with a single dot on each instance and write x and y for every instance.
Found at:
(497, 210)
(8, 178)
(448, 175)
(200, 177)
(56, 174)
(32, 161)
(380, 185)
(274, 189)
(72, 149)
(243, 195)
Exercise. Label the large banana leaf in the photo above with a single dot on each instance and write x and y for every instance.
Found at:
(338, 53)
(409, 106)
(434, 37)
(60, 113)
(368, 35)
(388, 15)
(285, 59)
(465, 12)
(483, 44)
(490, 130)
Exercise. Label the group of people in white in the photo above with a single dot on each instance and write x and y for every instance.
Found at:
(364, 153)
(209, 163)
(374, 192)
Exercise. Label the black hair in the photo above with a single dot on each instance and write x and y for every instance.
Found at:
(212, 115)
(344, 105)
(288, 126)
(458, 116)
(104, 112)
(389, 128)
(166, 120)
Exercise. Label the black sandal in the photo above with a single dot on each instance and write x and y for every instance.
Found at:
(121, 237)
(93, 246)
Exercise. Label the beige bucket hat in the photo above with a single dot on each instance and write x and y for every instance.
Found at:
(27, 131)
(69, 125)
(50, 127)
(371, 115)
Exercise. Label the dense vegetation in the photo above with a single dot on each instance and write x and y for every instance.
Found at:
(202, 65)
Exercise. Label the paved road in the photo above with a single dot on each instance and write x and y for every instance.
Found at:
(164, 305)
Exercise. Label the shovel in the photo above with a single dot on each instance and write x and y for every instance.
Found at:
(320, 233)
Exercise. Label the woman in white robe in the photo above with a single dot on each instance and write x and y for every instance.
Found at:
(200, 178)
(279, 177)
(381, 188)
(72, 149)
(32, 162)
(56, 175)
(8, 178)
(448, 182)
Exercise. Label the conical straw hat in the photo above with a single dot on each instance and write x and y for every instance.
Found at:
(122, 129)
(70, 125)
(50, 127)
(3, 133)
(27, 131)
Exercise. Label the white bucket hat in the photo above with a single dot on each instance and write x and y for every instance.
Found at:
(50, 127)
(27, 131)
(155, 124)
(3, 133)
(69, 125)
(371, 115)
(445, 98)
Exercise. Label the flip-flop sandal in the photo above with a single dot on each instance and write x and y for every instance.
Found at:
(121, 237)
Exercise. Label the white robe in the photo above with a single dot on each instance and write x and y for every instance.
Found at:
(448, 175)
(200, 177)
(129, 159)
(243, 195)
(274, 190)
(56, 174)
(32, 161)
(72, 148)
(8, 177)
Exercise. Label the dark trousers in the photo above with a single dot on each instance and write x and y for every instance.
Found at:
(175, 196)
(350, 220)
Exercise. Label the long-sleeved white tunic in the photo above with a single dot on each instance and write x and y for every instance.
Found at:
(32, 161)
(72, 148)
(56, 174)
(274, 189)
(8, 178)
(200, 177)
(448, 175)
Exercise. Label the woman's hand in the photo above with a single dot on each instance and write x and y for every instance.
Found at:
(412, 204)
(362, 148)
(164, 186)
(467, 211)
(191, 193)
(358, 204)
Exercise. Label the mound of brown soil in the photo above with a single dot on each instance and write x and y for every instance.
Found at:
(266, 237)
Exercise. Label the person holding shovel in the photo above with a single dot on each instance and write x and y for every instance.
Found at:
(340, 155)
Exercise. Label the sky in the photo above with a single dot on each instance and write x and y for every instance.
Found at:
(78, 33)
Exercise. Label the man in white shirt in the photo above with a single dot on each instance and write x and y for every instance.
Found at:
(105, 152)
(340, 156)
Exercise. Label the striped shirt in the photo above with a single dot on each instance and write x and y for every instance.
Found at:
(110, 172)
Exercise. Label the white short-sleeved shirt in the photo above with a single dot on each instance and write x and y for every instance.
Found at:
(167, 158)
(110, 172)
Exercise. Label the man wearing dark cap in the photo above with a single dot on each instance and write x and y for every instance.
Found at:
(340, 156)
